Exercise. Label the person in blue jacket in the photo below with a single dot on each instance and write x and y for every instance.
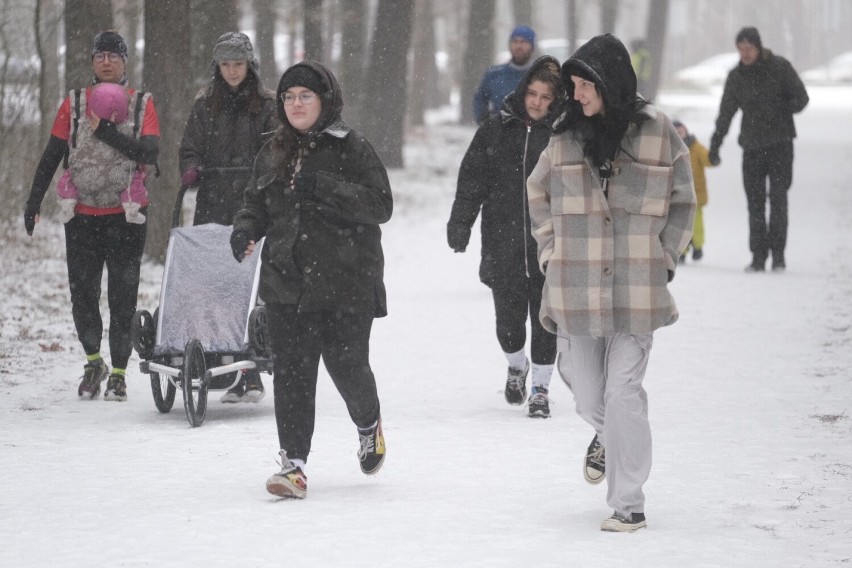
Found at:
(500, 80)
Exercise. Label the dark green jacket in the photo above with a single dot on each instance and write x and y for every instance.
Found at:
(769, 92)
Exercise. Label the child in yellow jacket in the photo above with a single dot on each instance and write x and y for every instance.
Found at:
(699, 159)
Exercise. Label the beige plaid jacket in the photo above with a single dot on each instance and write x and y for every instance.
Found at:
(608, 260)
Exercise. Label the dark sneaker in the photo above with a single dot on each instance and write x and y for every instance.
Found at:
(539, 404)
(372, 452)
(254, 387)
(235, 394)
(290, 482)
(620, 523)
(516, 384)
(594, 464)
(779, 266)
(756, 267)
(116, 388)
(94, 374)
(697, 254)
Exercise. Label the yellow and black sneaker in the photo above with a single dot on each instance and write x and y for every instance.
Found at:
(116, 388)
(372, 452)
(290, 482)
(94, 374)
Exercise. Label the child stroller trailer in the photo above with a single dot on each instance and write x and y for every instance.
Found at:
(208, 329)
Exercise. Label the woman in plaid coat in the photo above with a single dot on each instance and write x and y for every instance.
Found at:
(612, 206)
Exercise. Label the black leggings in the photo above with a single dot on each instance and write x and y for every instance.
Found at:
(298, 340)
(772, 164)
(512, 303)
(90, 243)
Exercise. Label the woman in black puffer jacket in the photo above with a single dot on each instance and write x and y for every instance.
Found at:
(492, 177)
(318, 193)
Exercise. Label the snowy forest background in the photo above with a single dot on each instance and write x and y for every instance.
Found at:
(396, 59)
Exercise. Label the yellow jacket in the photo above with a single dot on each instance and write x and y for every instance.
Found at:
(699, 159)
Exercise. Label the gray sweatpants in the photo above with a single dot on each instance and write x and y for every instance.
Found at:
(605, 374)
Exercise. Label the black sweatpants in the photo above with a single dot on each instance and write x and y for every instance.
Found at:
(298, 340)
(773, 164)
(90, 243)
(512, 303)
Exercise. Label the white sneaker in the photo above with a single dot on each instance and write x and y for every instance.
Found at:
(620, 523)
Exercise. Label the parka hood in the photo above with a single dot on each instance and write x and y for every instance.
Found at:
(605, 61)
(332, 97)
(513, 105)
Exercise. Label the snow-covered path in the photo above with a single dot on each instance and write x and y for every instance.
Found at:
(750, 396)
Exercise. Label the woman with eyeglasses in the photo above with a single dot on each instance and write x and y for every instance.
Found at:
(318, 193)
(232, 117)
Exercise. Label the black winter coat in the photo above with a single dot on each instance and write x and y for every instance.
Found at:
(323, 247)
(768, 92)
(227, 139)
(492, 176)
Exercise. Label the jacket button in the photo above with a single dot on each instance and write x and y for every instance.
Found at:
(307, 270)
(607, 271)
(304, 237)
(313, 144)
(607, 221)
(296, 206)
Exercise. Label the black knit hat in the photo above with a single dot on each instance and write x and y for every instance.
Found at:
(302, 76)
(751, 35)
(111, 42)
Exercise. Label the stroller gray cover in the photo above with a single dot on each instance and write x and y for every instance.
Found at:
(205, 293)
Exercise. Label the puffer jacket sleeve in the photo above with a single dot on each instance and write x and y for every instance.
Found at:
(191, 152)
(538, 192)
(253, 216)
(476, 178)
(797, 94)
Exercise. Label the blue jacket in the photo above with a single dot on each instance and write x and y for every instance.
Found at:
(498, 81)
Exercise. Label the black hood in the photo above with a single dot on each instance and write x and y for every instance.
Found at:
(513, 104)
(605, 61)
(332, 97)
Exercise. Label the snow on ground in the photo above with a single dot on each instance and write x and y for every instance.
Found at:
(749, 393)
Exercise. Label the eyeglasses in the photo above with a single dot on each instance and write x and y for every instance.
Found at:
(101, 56)
(305, 97)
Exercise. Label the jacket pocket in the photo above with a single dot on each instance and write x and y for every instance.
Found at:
(647, 190)
(569, 190)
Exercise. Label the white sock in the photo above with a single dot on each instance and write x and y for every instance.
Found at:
(541, 375)
(299, 463)
(517, 360)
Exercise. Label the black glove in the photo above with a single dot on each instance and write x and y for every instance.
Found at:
(239, 243)
(457, 237)
(713, 156)
(304, 182)
(30, 213)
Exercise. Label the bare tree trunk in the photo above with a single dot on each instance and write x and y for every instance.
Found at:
(165, 28)
(384, 107)
(128, 16)
(571, 26)
(207, 21)
(46, 26)
(478, 55)
(522, 10)
(83, 20)
(353, 57)
(313, 29)
(609, 15)
(424, 72)
(658, 16)
(264, 48)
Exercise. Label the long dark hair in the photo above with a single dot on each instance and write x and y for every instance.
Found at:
(219, 92)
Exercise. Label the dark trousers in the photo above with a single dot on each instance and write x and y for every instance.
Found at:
(775, 164)
(92, 242)
(298, 340)
(513, 301)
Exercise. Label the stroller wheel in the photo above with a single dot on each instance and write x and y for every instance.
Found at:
(194, 385)
(143, 333)
(258, 331)
(164, 391)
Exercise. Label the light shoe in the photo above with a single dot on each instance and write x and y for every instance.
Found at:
(94, 374)
(594, 464)
(516, 384)
(254, 391)
(539, 404)
(290, 482)
(620, 523)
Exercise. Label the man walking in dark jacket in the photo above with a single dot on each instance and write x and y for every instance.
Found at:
(768, 91)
